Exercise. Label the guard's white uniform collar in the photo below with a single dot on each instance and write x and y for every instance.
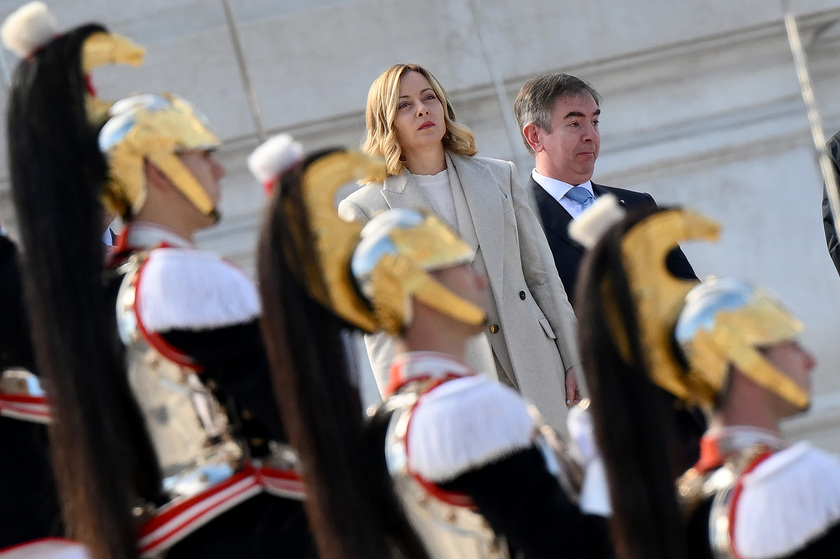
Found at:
(421, 365)
(142, 234)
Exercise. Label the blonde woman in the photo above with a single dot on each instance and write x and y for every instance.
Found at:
(528, 341)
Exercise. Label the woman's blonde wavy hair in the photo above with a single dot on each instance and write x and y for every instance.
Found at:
(383, 98)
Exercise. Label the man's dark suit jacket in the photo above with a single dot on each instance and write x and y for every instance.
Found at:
(688, 424)
(568, 253)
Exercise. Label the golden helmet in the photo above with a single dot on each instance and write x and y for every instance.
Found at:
(152, 128)
(725, 322)
(397, 250)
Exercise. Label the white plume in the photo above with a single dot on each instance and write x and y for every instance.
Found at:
(29, 28)
(274, 156)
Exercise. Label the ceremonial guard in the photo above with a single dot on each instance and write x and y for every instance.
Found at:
(29, 508)
(168, 443)
(28, 505)
(727, 346)
(456, 465)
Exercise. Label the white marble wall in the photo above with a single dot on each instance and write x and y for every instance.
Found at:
(701, 107)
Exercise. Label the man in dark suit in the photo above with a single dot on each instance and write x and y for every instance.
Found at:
(558, 116)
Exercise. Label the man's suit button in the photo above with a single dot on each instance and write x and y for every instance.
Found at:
(494, 328)
(522, 295)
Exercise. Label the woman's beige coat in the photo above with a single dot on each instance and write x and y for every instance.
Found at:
(534, 339)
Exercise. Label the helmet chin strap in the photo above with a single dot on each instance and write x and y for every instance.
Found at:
(762, 372)
(396, 278)
(433, 294)
(178, 173)
(752, 364)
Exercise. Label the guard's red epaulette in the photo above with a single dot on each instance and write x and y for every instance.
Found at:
(119, 253)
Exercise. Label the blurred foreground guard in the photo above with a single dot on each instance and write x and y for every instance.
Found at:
(28, 503)
(452, 464)
(29, 506)
(196, 363)
(722, 344)
(166, 437)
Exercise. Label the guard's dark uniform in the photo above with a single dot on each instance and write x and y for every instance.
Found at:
(28, 505)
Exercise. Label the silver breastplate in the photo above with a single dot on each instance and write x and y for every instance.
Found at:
(187, 425)
(718, 486)
(446, 530)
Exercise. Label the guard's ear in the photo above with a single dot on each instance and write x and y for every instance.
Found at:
(533, 135)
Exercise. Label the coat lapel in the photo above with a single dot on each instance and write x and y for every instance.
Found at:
(401, 191)
(485, 203)
(601, 190)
